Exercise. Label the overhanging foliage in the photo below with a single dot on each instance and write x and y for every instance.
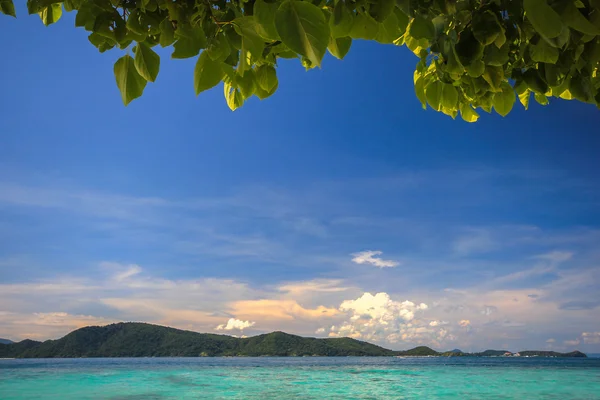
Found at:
(473, 54)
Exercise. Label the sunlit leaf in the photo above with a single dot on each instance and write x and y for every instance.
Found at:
(130, 83)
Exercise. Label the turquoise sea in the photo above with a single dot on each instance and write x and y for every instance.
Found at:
(301, 378)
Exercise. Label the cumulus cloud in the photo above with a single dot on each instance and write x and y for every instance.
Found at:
(369, 257)
(235, 324)
(572, 342)
(464, 323)
(591, 337)
(379, 318)
(550, 340)
(320, 331)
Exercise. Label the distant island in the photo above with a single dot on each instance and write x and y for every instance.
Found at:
(5, 341)
(131, 339)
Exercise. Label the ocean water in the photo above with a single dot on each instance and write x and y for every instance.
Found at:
(301, 378)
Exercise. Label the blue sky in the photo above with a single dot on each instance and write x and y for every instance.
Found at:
(175, 210)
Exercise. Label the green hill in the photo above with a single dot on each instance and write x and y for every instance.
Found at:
(145, 340)
(420, 351)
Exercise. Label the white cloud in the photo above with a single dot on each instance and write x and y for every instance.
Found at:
(464, 323)
(130, 271)
(556, 257)
(379, 318)
(320, 331)
(572, 342)
(550, 340)
(235, 324)
(368, 257)
(591, 337)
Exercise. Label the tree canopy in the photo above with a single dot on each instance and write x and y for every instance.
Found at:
(473, 54)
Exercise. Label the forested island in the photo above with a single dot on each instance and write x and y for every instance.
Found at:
(145, 340)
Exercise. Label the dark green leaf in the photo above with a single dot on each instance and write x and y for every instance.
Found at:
(486, 28)
(7, 7)
(543, 52)
(167, 33)
(190, 40)
(207, 74)
(341, 21)
(364, 27)
(265, 17)
(421, 28)
(380, 10)
(543, 18)
(303, 28)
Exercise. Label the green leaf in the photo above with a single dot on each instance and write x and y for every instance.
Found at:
(207, 74)
(167, 33)
(364, 27)
(541, 99)
(476, 69)
(380, 10)
(504, 100)
(339, 47)
(219, 48)
(303, 28)
(534, 81)
(147, 62)
(420, 90)
(7, 7)
(246, 83)
(494, 77)
(468, 49)
(341, 21)
(486, 28)
(134, 24)
(70, 5)
(389, 30)
(263, 94)
(467, 113)
(581, 89)
(37, 6)
(190, 40)
(129, 81)
(524, 98)
(266, 77)
(573, 18)
(421, 28)
(543, 18)
(433, 94)
(543, 52)
(252, 42)
(497, 56)
(51, 14)
(265, 18)
(233, 96)
(449, 96)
